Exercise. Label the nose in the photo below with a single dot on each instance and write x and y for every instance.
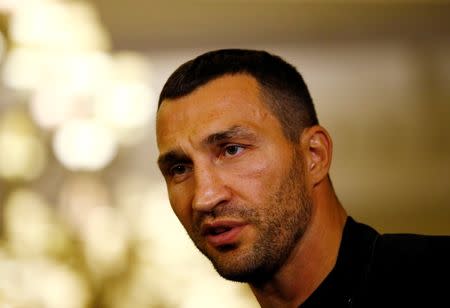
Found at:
(210, 189)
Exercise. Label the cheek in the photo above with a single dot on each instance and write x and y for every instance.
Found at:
(257, 179)
(179, 201)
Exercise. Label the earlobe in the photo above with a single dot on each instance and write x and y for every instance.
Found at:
(318, 148)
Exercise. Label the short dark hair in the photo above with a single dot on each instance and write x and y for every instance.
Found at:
(281, 85)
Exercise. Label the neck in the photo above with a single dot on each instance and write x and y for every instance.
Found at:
(312, 259)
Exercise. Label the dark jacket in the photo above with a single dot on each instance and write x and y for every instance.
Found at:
(389, 270)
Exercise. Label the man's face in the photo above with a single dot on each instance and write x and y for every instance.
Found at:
(235, 182)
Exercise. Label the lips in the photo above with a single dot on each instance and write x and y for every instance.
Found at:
(221, 233)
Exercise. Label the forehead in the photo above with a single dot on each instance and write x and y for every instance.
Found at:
(221, 103)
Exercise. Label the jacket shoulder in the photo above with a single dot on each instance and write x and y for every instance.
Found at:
(401, 250)
(410, 269)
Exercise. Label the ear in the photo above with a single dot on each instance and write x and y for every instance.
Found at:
(317, 147)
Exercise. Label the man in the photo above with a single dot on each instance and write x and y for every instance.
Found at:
(246, 165)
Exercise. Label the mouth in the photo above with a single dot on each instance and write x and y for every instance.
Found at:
(222, 233)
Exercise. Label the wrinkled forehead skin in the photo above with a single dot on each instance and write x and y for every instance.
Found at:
(216, 106)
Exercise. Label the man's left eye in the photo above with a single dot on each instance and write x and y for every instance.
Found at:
(232, 150)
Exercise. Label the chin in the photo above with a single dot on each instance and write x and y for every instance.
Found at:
(240, 267)
(252, 275)
(234, 273)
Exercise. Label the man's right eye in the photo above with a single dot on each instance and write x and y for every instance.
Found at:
(178, 170)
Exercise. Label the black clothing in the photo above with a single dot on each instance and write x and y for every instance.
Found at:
(390, 270)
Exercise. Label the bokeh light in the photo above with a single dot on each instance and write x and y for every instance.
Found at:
(84, 145)
(106, 240)
(123, 99)
(30, 283)
(66, 92)
(2, 46)
(23, 155)
(123, 106)
(24, 68)
(12, 6)
(78, 195)
(59, 25)
(85, 205)
(53, 105)
(31, 227)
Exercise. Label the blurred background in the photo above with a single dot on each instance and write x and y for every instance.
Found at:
(84, 218)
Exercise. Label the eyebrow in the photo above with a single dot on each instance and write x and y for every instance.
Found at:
(231, 133)
(178, 156)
